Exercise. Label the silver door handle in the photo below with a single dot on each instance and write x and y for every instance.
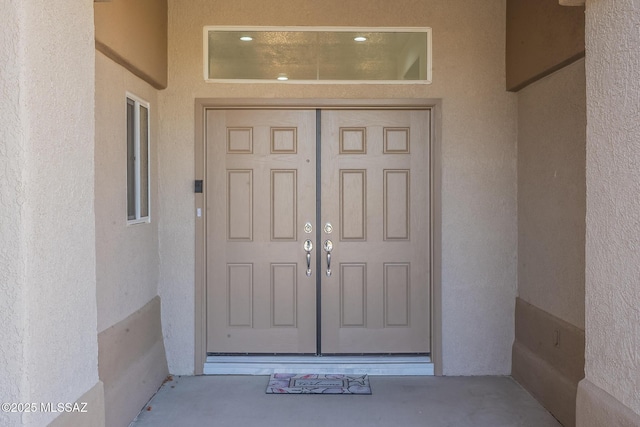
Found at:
(308, 247)
(328, 247)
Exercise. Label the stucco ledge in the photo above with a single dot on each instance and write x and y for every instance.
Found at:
(595, 407)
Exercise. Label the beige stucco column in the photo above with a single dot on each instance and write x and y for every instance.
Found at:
(12, 247)
(609, 393)
(48, 342)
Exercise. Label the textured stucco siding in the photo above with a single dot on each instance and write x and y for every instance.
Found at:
(551, 193)
(49, 200)
(60, 233)
(134, 34)
(479, 236)
(12, 268)
(613, 199)
(542, 37)
(132, 248)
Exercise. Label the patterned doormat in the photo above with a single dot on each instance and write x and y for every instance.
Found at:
(318, 384)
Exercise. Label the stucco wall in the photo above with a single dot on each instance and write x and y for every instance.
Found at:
(132, 248)
(12, 248)
(49, 197)
(134, 34)
(478, 158)
(551, 193)
(542, 37)
(613, 199)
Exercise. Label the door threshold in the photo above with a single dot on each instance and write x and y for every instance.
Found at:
(345, 365)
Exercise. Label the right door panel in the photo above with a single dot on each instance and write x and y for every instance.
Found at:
(375, 194)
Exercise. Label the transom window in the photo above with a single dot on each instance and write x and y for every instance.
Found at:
(312, 54)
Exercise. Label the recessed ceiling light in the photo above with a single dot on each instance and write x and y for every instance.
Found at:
(360, 39)
(246, 38)
(283, 77)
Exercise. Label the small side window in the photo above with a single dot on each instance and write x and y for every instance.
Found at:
(138, 173)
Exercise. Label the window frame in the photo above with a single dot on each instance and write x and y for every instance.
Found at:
(138, 104)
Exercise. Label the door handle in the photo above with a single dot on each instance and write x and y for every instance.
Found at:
(328, 247)
(308, 247)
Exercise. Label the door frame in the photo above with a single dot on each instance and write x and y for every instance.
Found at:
(435, 156)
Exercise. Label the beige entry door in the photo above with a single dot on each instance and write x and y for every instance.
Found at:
(375, 195)
(362, 284)
(261, 191)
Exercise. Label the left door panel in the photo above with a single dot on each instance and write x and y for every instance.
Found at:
(260, 192)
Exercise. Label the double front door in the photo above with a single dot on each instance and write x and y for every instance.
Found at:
(318, 231)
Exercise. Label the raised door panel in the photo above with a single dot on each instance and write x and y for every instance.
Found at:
(353, 204)
(284, 204)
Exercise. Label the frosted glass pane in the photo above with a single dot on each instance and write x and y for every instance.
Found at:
(144, 162)
(131, 160)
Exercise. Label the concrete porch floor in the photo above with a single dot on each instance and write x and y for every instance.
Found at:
(396, 401)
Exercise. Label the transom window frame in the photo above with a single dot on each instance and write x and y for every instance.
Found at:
(426, 30)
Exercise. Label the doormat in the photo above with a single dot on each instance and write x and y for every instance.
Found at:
(318, 384)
